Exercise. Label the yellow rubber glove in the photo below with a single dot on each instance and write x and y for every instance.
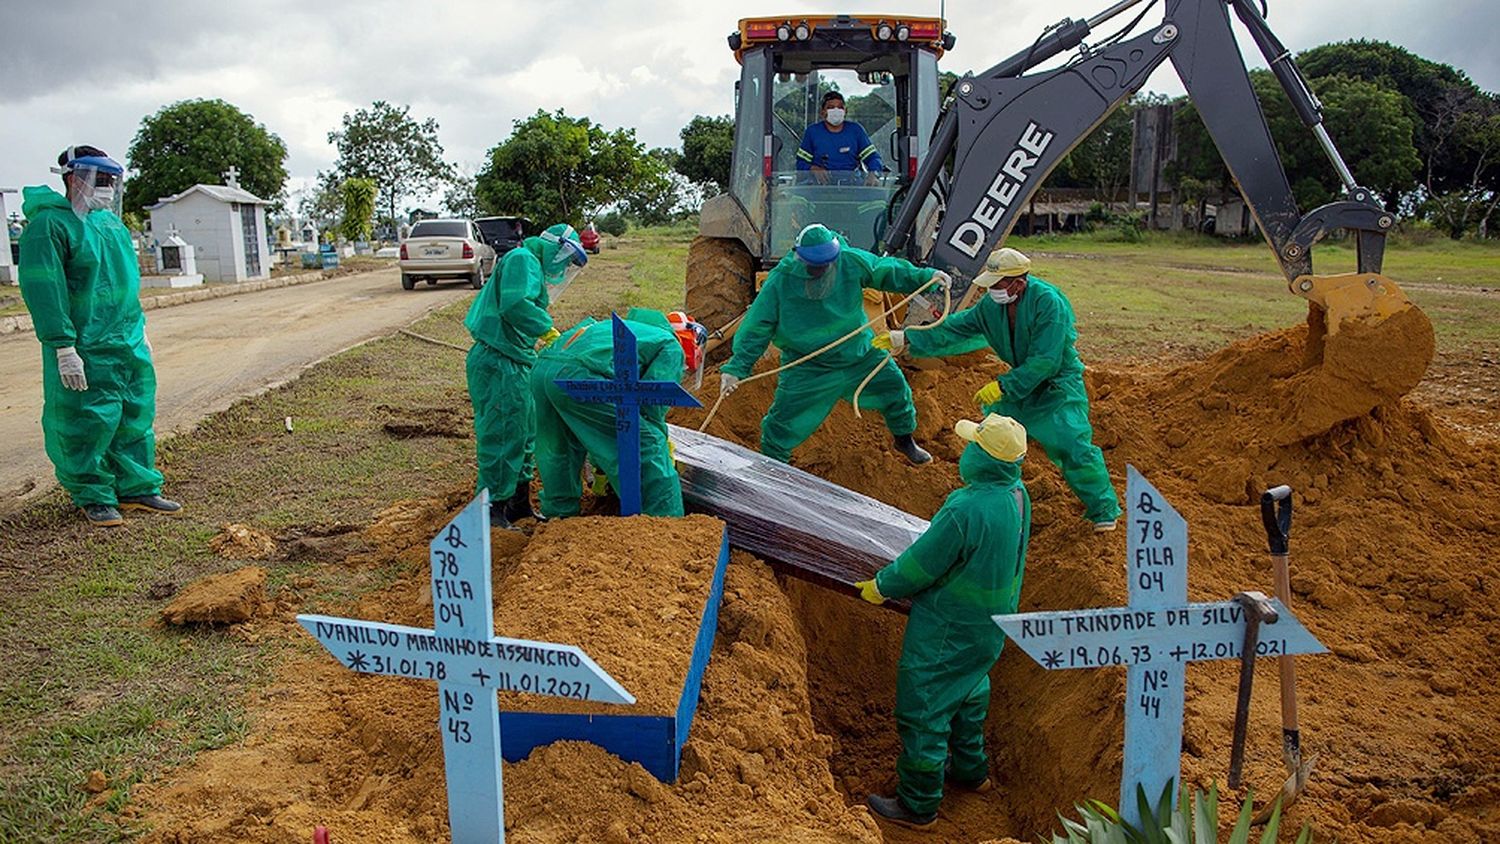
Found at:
(547, 337)
(672, 452)
(988, 394)
(870, 592)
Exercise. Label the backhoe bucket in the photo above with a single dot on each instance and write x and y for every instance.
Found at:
(1368, 345)
(1369, 297)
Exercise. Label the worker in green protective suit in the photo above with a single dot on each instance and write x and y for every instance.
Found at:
(812, 297)
(81, 284)
(569, 430)
(507, 320)
(964, 569)
(1029, 325)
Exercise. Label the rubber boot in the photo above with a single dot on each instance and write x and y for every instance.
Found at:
(518, 507)
(102, 515)
(894, 809)
(497, 516)
(911, 451)
(151, 504)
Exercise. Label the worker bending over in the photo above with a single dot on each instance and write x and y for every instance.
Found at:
(569, 430)
(507, 320)
(1029, 325)
(81, 285)
(811, 298)
(966, 568)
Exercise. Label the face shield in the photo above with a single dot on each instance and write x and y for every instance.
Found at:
(566, 263)
(817, 258)
(95, 182)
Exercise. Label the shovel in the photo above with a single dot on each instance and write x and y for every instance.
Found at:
(1257, 609)
(1276, 514)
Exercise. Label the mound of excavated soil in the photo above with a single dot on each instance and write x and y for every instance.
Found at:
(1393, 567)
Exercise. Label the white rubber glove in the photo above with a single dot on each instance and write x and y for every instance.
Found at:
(944, 281)
(898, 341)
(728, 384)
(70, 369)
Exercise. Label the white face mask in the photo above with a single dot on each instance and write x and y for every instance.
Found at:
(100, 198)
(835, 116)
(1002, 296)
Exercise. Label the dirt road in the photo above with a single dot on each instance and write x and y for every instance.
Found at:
(209, 354)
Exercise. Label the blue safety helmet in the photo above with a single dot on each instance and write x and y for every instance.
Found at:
(817, 246)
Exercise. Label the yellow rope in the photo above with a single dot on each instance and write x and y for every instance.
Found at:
(805, 358)
(889, 356)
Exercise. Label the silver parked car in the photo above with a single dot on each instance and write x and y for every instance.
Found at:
(438, 249)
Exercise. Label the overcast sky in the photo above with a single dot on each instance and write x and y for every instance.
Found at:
(73, 71)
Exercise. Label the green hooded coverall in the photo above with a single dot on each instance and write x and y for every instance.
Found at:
(967, 567)
(505, 320)
(1044, 388)
(801, 313)
(568, 430)
(81, 284)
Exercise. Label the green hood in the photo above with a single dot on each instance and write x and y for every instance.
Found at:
(38, 197)
(648, 317)
(976, 466)
(544, 250)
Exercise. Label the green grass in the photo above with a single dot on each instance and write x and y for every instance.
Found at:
(1188, 294)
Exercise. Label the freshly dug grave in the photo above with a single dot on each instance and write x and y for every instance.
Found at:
(1393, 567)
(363, 756)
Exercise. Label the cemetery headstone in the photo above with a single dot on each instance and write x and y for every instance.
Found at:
(1156, 636)
(627, 392)
(176, 264)
(470, 664)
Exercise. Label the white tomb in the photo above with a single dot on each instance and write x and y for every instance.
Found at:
(7, 267)
(176, 264)
(225, 223)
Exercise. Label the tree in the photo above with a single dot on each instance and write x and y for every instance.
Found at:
(322, 204)
(555, 168)
(662, 194)
(387, 144)
(707, 150)
(197, 141)
(359, 208)
(1371, 125)
(1102, 160)
(459, 200)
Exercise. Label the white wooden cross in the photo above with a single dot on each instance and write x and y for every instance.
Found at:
(470, 663)
(232, 176)
(1156, 636)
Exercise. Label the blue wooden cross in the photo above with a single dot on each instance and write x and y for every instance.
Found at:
(627, 392)
(470, 664)
(1156, 636)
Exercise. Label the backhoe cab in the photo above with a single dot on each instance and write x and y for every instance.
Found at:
(886, 70)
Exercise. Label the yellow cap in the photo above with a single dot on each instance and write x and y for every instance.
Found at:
(1004, 262)
(1002, 437)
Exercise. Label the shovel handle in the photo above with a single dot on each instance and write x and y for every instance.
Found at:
(1276, 514)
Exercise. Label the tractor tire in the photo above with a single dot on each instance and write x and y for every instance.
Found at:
(720, 284)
